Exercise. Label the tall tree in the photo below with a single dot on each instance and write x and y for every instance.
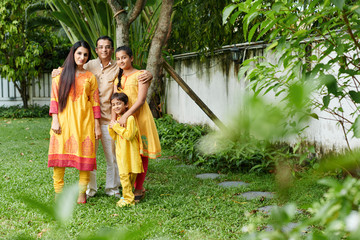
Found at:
(20, 50)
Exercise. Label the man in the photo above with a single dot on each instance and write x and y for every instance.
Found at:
(105, 70)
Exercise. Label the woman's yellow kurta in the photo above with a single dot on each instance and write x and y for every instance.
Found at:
(150, 143)
(127, 147)
(75, 146)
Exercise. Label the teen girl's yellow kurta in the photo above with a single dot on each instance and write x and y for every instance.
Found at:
(75, 146)
(127, 147)
(150, 143)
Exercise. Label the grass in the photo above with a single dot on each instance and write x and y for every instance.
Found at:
(177, 204)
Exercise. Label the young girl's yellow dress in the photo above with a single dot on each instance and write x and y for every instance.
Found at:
(75, 146)
(150, 143)
(127, 157)
(127, 147)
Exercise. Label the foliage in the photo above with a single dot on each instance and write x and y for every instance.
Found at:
(27, 47)
(84, 19)
(89, 20)
(142, 31)
(309, 40)
(197, 27)
(19, 55)
(46, 30)
(180, 138)
(201, 146)
(336, 214)
(245, 154)
(17, 111)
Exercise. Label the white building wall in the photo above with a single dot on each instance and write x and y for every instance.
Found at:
(216, 82)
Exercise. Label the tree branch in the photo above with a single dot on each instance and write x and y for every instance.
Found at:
(114, 5)
(346, 20)
(345, 133)
(136, 10)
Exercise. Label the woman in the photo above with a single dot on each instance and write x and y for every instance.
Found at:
(75, 111)
(128, 83)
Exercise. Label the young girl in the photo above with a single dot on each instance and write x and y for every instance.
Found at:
(128, 83)
(127, 148)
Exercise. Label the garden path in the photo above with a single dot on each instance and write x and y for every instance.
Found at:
(251, 195)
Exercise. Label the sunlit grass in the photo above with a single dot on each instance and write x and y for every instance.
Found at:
(177, 204)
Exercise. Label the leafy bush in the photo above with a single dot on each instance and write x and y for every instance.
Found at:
(235, 155)
(249, 155)
(19, 112)
(180, 138)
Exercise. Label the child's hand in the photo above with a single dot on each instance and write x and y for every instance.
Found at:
(111, 124)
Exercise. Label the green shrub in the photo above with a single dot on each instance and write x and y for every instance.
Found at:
(180, 138)
(20, 112)
(235, 155)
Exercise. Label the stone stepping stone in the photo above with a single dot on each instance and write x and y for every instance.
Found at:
(233, 184)
(287, 228)
(254, 195)
(208, 176)
(266, 209)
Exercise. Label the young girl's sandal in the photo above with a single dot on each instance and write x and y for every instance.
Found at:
(122, 203)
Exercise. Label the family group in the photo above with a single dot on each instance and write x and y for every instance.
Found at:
(102, 100)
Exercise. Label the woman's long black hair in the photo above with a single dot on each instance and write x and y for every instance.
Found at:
(130, 54)
(67, 77)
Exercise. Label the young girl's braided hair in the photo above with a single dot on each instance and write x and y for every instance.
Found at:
(129, 53)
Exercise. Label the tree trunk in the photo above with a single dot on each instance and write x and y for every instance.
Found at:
(24, 92)
(154, 62)
(124, 19)
(25, 102)
(122, 31)
(22, 87)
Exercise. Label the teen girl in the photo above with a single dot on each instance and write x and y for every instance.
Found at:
(127, 82)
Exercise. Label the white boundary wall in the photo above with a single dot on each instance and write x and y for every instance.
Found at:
(40, 91)
(216, 82)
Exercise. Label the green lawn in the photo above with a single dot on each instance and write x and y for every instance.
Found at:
(177, 204)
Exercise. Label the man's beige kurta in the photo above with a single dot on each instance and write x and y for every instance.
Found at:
(105, 78)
